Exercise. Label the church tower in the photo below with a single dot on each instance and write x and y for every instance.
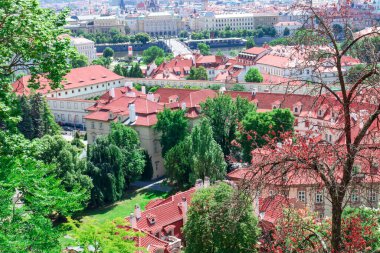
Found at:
(152, 5)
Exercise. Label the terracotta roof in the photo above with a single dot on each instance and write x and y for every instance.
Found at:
(76, 78)
(255, 50)
(273, 60)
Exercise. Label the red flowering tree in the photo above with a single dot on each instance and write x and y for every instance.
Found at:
(339, 151)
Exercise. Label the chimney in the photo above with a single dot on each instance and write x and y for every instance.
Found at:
(183, 106)
(128, 84)
(254, 91)
(150, 97)
(143, 89)
(132, 112)
(184, 209)
(112, 92)
(132, 220)
(206, 182)
(198, 184)
(137, 211)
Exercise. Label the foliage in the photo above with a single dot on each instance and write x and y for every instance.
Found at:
(219, 53)
(37, 119)
(120, 70)
(223, 113)
(213, 226)
(30, 39)
(204, 49)
(108, 52)
(183, 34)
(152, 53)
(199, 73)
(286, 31)
(300, 231)
(197, 156)
(257, 128)
(79, 61)
(173, 126)
(134, 71)
(103, 61)
(238, 87)
(68, 167)
(113, 162)
(215, 86)
(148, 168)
(250, 43)
(31, 196)
(142, 38)
(253, 75)
(105, 237)
(77, 142)
(265, 31)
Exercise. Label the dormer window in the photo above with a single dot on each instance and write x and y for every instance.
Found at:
(274, 107)
(320, 113)
(151, 218)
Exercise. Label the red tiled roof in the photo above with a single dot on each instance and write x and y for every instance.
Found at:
(273, 60)
(166, 213)
(76, 78)
(255, 50)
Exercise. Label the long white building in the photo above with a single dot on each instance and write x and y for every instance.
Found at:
(85, 47)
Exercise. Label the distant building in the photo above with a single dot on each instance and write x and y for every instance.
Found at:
(95, 23)
(235, 21)
(156, 24)
(291, 25)
(85, 47)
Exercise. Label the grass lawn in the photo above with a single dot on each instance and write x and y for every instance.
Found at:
(124, 207)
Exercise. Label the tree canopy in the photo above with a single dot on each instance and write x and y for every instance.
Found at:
(196, 157)
(173, 126)
(108, 52)
(204, 48)
(250, 43)
(213, 226)
(79, 61)
(257, 127)
(113, 162)
(199, 73)
(152, 53)
(253, 75)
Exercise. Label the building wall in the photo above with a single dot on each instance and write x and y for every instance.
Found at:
(88, 49)
(70, 111)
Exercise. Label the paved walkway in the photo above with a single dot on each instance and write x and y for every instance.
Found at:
(178, 47)
(151, 185)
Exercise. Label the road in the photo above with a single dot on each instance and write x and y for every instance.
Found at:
(151, 185)
(178, 47)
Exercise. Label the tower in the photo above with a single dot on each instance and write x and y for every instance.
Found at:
(122, 5)
(152, 5)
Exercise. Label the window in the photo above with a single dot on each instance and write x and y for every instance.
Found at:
(295, 109)
(69, 118)
(83, 120)
(54, 104)
(100, 125)
(271, 193)
(354, 196)
(94, 138)
(61, 104)
(157, 163)
(318, 197)
(156, 149)
(63, 117)
(72, 91)
(302, 196)
(92, 125)
(371, 196)
(75, 105)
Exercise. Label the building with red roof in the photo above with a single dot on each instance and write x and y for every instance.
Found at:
(80, 83)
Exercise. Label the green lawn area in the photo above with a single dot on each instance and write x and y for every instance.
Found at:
(124, 207)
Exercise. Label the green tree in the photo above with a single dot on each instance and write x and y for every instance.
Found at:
(197, 156)
(238, 87)
(31, 198)
(37, 119)
(108, 52)
(204, 48)
(104, 237)
(68, 167)
(120, 70)
(103, 61)
(221, 112)
(286, 31)
(142, 38)
(173, 126)
(250, 43)
(30, 39)
(253, 75)
(207, 155)
(135, 71)
(152, 53)
(198, 73)
(77, 141)
(148, 169)
(79, 61)
(219, 53)
(259, 126)
(337, 29)
(113, 162)
(214, 227)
